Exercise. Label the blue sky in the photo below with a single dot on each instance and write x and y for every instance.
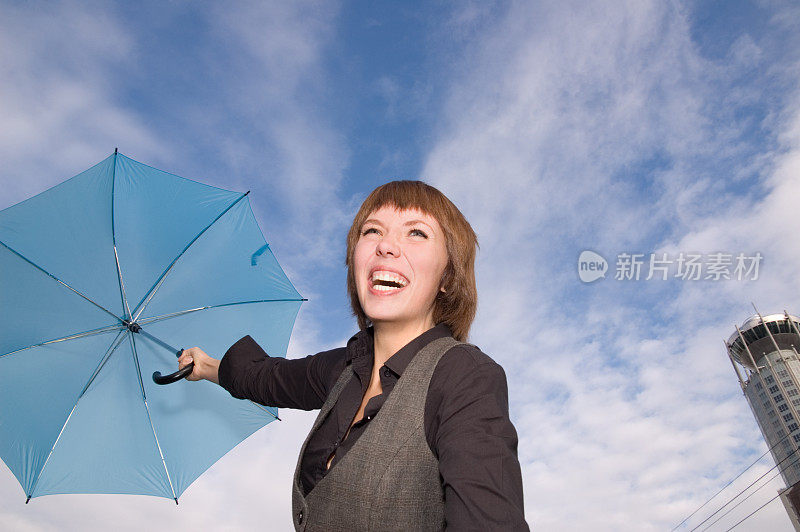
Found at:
(629, 127)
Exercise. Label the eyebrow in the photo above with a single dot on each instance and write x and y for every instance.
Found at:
(410, 222)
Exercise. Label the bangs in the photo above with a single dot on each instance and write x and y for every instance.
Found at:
(404, 195)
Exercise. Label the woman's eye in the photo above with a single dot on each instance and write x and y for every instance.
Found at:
(419, 233)
(368, 230)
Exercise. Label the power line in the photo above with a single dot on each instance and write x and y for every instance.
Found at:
(726, 485)
(745, 489)
(753, 512)
(740, 502)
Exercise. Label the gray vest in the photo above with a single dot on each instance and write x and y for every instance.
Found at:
(389, 479)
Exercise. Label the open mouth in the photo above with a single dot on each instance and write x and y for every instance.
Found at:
(384, 281)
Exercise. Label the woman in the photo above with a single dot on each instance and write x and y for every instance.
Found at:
(443, 451)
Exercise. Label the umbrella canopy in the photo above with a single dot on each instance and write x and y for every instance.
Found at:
(125, 244)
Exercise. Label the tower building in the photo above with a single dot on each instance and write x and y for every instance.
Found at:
(764, 354)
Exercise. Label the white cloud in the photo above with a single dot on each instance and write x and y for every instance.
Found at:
(552, 140)
(60, 113)
(599, 126)
(275, 83)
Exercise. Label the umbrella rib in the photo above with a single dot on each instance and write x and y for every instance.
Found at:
(121, 282)
(149, 418)
(114, 237)
(265, 410)
(75, 336)
(20, 255)
(102, 363)
(146, 300)
(154, 319)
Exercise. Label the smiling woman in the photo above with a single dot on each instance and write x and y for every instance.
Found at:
(413, 431)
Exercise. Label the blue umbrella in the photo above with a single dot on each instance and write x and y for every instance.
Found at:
(99, 276)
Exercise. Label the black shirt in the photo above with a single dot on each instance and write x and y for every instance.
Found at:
(466, 417)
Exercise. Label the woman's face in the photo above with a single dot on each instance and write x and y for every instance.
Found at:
(398, 261)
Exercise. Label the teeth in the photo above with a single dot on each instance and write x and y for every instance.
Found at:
(384, 288)
(388, 276)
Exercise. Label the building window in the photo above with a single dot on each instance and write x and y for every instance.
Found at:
(786, 384)
(766, 405)
(782, 407)
(763, 396)
(759, 386)
(778, 398)
(792, 427)
(769, 379)
(788, 417)
(774, 389)
(792, 392)
(796, 402)
(796, 438)
(783, 373)
(771, 413)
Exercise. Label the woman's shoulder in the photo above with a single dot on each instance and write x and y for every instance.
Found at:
(465, 363)
(468, 356)
(466, 381)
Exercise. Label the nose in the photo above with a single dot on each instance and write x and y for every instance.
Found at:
(388, 246)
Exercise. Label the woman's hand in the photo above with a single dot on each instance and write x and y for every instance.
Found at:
(205, 367)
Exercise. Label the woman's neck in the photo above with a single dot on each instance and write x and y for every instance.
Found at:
(389, 338)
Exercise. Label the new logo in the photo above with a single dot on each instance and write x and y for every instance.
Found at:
(591, 266)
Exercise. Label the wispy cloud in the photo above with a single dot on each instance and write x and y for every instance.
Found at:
(58, 99)
(604, 127)
(275, 87)
(564, 127)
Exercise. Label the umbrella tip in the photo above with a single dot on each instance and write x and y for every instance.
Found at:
(176, 501)
(28, 499)
(115, 151)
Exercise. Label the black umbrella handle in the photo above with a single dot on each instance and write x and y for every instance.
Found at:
(182, 373)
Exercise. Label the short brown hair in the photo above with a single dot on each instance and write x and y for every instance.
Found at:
(457, 306)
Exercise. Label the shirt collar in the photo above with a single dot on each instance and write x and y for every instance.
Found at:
(360, 347)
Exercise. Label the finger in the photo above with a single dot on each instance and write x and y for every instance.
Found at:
(187, 353)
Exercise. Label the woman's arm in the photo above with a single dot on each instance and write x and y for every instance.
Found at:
(476, 443)
(247, 372)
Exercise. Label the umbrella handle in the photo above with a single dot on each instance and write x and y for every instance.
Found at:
(182, 373)
(158, 378)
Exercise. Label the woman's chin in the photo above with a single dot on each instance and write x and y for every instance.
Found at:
(382, 319)
(394, 321)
